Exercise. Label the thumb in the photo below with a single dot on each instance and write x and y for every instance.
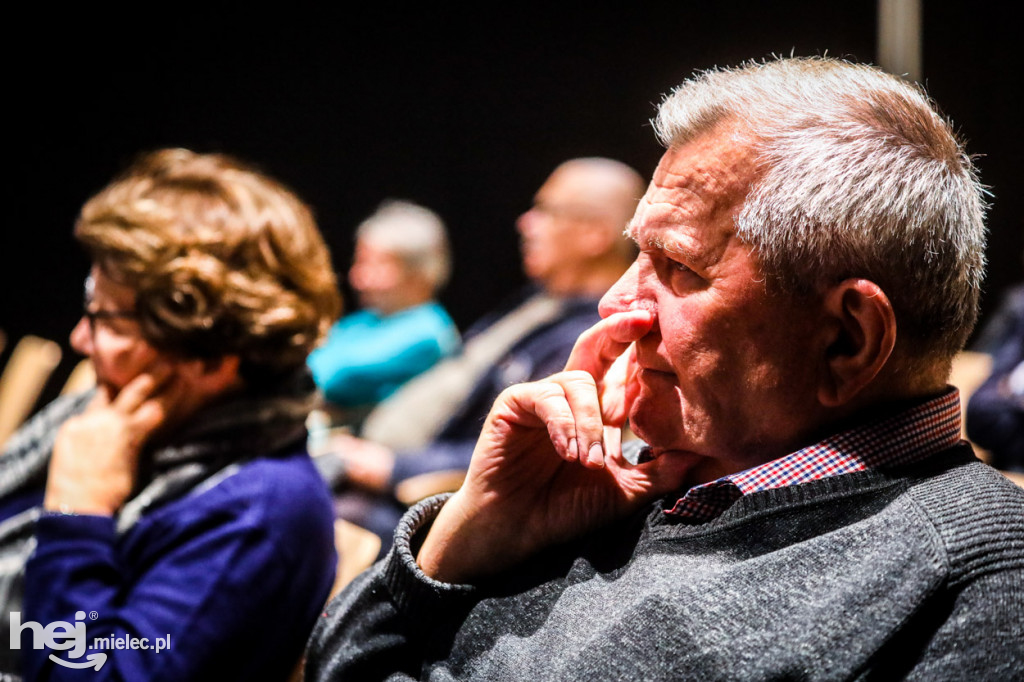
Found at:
(99, 400)
(646, 475)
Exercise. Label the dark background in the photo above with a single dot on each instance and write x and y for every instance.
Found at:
(465, 111)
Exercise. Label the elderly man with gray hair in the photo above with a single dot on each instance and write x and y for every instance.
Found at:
(402, 259)
(802, 505)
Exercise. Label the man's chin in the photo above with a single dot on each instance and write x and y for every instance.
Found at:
(648, 420)
(534, 274)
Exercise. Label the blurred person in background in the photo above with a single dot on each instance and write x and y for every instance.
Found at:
(176, 499)
(995, 411)
(402, 260)
(573, 249)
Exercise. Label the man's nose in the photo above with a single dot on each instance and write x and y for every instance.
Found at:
(81, 337)
(362, 274)
(526, 221)
(533, 219)
(624, 294)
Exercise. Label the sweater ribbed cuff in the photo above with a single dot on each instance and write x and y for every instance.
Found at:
(415, 593)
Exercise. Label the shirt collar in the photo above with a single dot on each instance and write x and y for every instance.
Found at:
(906, 437)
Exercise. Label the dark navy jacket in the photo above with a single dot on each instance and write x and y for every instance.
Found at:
(540, 354)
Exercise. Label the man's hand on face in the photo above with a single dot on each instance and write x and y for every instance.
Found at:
(95, 456)
(548, 465)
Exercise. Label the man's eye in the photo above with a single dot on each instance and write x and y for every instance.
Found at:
(677, 266)
(673, 266)
(668, 268)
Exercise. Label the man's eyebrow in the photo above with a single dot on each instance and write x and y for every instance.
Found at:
(656, 241)
(632, 232)
(629, 231)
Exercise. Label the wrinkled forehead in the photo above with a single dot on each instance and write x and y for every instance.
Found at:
(699, 186)
(717, 168)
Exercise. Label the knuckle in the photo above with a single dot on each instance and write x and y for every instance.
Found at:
(579, 377)
(550, 389)
(538, 390)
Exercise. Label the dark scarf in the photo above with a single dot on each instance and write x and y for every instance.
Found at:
(209, 447)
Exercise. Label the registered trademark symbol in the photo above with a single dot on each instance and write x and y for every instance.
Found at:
(93, 615)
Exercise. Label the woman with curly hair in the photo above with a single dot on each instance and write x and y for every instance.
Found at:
(175, 503)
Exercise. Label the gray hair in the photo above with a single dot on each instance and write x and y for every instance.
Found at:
(859, 176)
(413, 233)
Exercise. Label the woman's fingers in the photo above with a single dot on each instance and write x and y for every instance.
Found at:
(149, 401)
(140, 389)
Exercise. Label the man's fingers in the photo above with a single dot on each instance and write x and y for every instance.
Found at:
(606, 352)
(581, 395)
(627, 326)
(598, 347)
(632, 386)
(618, 398)
(612, 442)
(567, 405)
(618, 389)
(546, 401)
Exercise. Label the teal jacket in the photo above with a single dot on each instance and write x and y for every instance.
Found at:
(367, 356)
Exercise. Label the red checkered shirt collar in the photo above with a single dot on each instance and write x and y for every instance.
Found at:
(907, 437)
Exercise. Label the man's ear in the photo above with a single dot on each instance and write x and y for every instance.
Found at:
(861, 325)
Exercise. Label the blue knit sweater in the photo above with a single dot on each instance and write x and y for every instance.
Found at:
(233, 575)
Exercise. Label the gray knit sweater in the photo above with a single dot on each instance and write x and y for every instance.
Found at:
(914, 573)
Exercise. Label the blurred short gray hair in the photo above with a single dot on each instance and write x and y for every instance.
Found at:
(413, 233)
(859, 176)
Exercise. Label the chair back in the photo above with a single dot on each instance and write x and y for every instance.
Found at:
(357, 550)
(82, 377)
(32, 361)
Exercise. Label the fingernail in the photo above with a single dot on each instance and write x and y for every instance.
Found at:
(574, 449)
(596, 454)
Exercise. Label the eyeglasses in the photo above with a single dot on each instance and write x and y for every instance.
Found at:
(567, 212)
(93, 315)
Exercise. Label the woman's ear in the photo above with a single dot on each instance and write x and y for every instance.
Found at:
(862, 327)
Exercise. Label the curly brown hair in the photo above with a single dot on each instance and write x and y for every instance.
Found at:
(223, 259)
